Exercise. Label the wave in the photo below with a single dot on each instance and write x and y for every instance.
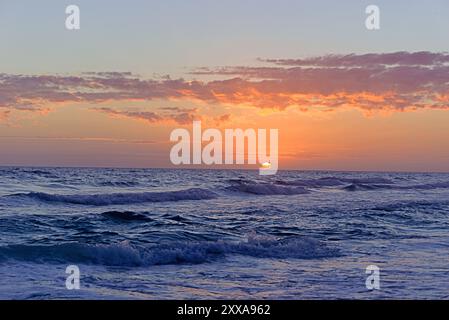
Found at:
(430, 186)
(34, 171)
(287, 187)
(366, 187)
(334, 182)
(118, 183)
(281, 187)
(126, 216)
(121, 198)
(265, 188)
(434, 206)
(24, 173)
(129, 255)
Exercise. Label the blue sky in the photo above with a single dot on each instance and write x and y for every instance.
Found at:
(165, 37)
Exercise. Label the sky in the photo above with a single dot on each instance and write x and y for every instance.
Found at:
(343, 97)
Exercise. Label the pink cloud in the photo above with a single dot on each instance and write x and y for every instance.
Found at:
(395, 81)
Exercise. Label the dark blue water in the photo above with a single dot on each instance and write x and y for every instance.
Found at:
(153, 233)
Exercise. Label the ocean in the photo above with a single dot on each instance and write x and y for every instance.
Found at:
(222, 234)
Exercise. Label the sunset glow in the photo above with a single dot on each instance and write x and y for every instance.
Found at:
(373, 109)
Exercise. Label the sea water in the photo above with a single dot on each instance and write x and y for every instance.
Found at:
(213, 234)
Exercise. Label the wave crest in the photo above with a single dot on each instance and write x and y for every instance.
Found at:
(121, 198)
(126, 254)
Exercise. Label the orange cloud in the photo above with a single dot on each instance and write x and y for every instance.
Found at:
(391, 81)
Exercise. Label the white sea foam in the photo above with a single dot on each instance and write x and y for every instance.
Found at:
(126, 254)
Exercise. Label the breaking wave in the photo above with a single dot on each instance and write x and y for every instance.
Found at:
(121, 198)
(129, 255)
(360, 184)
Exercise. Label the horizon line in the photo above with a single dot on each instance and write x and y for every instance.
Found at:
(217, 169)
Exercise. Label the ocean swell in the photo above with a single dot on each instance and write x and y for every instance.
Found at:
(264, 188)
(368, 187)
(126, 216)
(334, 182)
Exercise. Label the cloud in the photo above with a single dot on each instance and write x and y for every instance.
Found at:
(375, 81)
(175, 114)
(18, 91)
(396, 81)
(81, 139)
(400, 58)
(4, 114)
(223, 118)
